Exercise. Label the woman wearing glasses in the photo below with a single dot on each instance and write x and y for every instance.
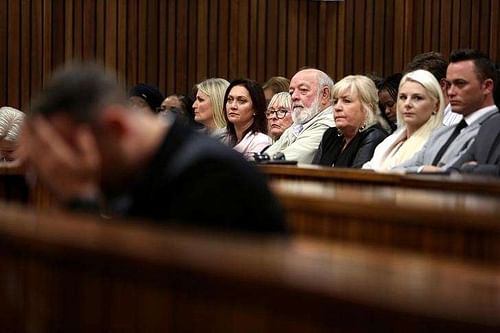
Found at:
(279, 115)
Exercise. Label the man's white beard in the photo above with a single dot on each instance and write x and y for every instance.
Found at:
(303, 115)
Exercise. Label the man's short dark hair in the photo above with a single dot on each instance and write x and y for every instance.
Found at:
(78, 90)
(484, 67)
(433, 62)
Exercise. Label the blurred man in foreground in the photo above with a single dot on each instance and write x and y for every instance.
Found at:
(86, 144)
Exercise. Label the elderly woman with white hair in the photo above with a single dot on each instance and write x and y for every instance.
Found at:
(352, 142)
(11, 121)
(279, 114)
(419, 106)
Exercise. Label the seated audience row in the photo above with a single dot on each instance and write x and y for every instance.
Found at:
(339, 125)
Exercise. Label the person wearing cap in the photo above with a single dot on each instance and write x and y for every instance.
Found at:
(146, 97)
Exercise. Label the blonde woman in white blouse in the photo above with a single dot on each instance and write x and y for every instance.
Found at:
(420, 105)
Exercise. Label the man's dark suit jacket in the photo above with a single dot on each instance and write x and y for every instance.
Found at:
(485, 151)
(196, 181)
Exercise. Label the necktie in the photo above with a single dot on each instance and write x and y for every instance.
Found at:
(453, 136)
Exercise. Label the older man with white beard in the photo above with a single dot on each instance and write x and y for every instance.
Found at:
(312, 115)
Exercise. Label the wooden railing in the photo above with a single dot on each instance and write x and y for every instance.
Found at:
(68, 273)
(454, 182)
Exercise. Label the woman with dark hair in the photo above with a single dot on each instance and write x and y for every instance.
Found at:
(387, 94)
(245, 113)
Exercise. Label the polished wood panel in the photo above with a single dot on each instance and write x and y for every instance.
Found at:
(452, 224)
(453, 183)
(68, 273)
(177, 43)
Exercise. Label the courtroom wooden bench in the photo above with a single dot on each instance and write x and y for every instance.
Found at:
(454, 224)
(68, 273)
(454, 183)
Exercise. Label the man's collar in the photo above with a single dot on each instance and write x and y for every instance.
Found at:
(474, 116)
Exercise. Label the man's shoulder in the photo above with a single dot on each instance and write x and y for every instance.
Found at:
(323, 120)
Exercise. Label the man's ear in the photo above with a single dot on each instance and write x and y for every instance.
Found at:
(114, 120)
(488, 86)
(326, 97)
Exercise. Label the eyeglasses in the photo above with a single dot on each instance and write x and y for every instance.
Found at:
(280, 113)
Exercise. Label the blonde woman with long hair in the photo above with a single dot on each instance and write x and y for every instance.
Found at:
(420, 105)
(209, 105)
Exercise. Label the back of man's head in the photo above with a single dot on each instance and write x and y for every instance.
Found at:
(433, 62)
(483, 66)
(79, 91)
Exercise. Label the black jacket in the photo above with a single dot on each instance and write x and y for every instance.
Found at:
(195, 180)
(357, 152)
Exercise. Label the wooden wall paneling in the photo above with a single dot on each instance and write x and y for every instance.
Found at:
(142, 42)
(348, 42)
(110, 31)
(13, 53)
(192, 44)
(202, 41)
(272, 39)
(379, 38)
(151, 60)
(454, 20)
(241, 42)
(436, 23)
(427, 28)
(78, 22)
(234, 36)
(303, 35)
(100, 33)
(3, 50)
(69, 37)
(359, 37)
(292, 46)
(412, 27)
(389, 42)
(475, 23)
(25, 93)
(369, 37)
(312, 35)
(181, 41)
(340, 36)
(253, 37)
(223, 50)
(465, 23)
(420, 23)
(330, 39)
(89, 30)
(162, 47)
(282, 37)
(262, 36)
(484, 25)
(399, 35)
(122, 14)
(58, 38)
(494, 41)
(213, 36)
(445, 27)
(323, 43)
(171, 56)
(35, 57)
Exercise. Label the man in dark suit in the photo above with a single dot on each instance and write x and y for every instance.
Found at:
(470, 79)
(86, 144)
(483, 157)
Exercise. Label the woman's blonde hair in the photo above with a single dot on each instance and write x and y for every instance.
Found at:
(11, 121)
(283, 99)
(364, 88)
(215, 89)
(416, 141)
